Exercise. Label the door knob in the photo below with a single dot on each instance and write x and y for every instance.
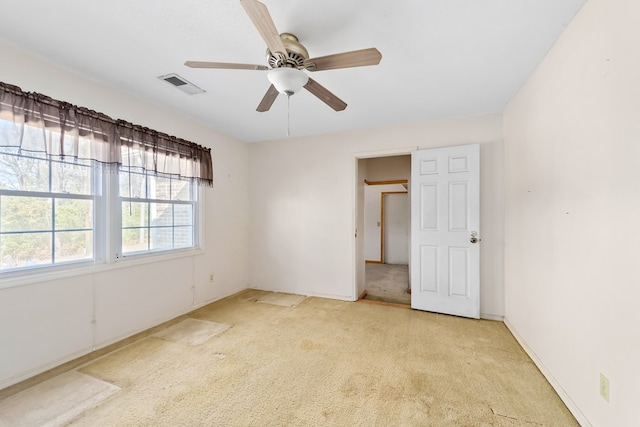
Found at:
(474, 237)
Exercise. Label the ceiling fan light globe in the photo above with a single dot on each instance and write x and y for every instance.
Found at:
(287, 80)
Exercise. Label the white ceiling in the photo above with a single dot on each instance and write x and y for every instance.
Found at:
(440, 58)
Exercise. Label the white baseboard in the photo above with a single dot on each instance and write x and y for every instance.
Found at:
(571, 405)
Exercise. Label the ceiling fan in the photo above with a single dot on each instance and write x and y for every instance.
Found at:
(288, 58)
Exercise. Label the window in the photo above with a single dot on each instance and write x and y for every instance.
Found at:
(157, 212)
(61, 202)
(47, 211)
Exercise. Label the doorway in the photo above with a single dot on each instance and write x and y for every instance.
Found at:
(386, 228)
(443, 186)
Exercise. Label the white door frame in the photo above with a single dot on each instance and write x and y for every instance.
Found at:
(358, 205)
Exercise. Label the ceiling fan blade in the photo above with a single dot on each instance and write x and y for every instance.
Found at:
(259, 14)
(325, 96)
(224, 65)
(267, 100)
(355, 58)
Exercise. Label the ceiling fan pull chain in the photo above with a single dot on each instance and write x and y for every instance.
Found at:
(288, 115)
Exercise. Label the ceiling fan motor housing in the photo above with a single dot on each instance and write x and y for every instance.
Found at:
(296, 54)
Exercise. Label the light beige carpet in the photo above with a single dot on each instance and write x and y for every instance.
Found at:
(326, 363)
(387, 282)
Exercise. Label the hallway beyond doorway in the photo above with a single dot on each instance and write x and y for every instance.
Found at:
(387, 282)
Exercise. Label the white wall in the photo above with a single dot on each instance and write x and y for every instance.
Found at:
(396, 228)
(303, 195)
(48, 322)
(572, 138)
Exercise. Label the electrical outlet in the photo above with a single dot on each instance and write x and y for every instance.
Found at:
(604, 387)
(211, 277)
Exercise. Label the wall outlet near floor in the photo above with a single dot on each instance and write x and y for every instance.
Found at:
(211, 277)
(604, 387)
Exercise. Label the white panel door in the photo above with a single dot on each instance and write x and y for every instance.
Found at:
(445, 221)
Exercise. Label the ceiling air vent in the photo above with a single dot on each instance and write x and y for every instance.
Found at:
(182, 84)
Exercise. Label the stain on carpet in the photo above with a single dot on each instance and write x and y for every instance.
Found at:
(284, 300)
(308, 345)
(192, 332)
(55, 402)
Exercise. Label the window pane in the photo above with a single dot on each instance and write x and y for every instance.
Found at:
(23, 173)
(75, 146)
(74, 245)
(123, 183)
(132, 184)
(182, 215)
(133, 157)
(9, 134)
(70, 178)
(74, 214)
(25, 213)
(35, 141)
(135, 214)
(161, 214)
(135, 240)
(24, 250)
(181, 190)
(183, 237)
(161, 238)
(159, 187)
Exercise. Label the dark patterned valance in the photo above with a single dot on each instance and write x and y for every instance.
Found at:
(34, 123)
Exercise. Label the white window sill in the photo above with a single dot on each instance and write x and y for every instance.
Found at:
(22, 278)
